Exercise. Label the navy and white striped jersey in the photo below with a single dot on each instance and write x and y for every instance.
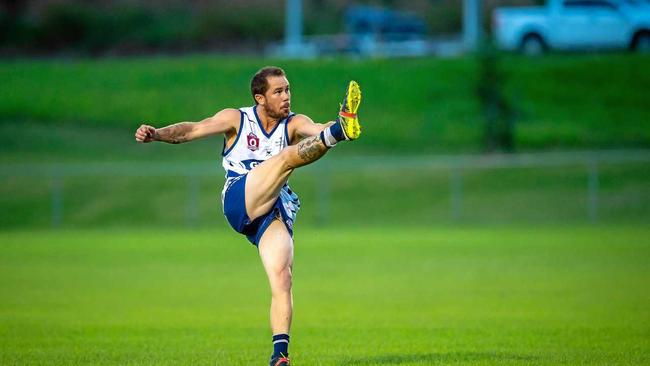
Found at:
(254, 145)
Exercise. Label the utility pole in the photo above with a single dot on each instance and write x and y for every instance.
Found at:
(293, 28)
(471, 24)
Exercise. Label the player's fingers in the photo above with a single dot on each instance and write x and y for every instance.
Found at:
(144, 128)
(140, 136)
(150, 131)
(144, 133)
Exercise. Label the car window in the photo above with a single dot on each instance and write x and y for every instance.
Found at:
(589, 4)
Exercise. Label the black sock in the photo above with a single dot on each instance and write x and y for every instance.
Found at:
(337, 131)
(332, 135)
(280, 345)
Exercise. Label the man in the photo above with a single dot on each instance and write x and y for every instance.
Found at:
(263, 145)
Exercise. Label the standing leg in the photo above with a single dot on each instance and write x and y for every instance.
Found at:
(276, 252)
(263, 185)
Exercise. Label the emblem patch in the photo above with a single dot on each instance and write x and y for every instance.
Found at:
(253, 142)
(268, 151)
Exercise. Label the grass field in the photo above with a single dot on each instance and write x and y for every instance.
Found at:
(422, 296)
(510, 272)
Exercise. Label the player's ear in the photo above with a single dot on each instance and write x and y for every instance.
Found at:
(260, 99)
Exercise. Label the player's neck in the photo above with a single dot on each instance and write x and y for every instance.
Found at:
(267, 121)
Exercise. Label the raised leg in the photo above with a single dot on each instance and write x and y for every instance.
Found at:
(264, 182)
(276, 252)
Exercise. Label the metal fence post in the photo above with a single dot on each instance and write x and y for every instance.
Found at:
(192, 213)
(57, 201)
(592, 189)
(456, 192)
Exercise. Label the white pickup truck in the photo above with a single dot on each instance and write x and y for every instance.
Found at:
(574, 25)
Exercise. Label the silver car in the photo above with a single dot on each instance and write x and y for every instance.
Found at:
(574, 25)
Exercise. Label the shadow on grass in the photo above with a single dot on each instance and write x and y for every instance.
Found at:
(436, 358)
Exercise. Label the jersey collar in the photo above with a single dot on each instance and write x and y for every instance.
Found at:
(259, 123)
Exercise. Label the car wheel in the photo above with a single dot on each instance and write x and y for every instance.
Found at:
(532, 45)
(642, 43)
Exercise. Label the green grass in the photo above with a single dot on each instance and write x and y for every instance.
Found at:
(410, 105)
(390, 296)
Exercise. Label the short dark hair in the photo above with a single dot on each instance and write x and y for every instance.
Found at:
(260, 84)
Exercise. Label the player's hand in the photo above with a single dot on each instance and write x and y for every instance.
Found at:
(145, 133)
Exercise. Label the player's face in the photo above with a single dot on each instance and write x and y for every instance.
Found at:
(277, 99)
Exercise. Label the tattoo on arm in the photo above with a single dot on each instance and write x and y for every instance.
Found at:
(309, 149)
(174, 134)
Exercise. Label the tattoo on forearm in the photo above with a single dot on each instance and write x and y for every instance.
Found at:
(174, 134)
(310, 148)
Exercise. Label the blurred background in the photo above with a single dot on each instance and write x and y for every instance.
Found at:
(459, 125)
(505, 146)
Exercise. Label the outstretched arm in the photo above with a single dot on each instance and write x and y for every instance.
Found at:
(224, 122)
(302, 126)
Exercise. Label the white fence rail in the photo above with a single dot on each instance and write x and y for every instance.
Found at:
(457, 165)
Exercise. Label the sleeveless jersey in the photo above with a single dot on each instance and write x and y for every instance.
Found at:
(252, 146)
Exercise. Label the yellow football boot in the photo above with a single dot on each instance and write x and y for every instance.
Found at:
(348, 112)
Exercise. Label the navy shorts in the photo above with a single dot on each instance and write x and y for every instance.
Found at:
(234, 208)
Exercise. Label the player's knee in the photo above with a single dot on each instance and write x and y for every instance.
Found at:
(283, 280)
(286, 159)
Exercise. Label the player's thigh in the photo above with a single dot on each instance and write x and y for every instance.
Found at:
(263, 185)
(276, 251)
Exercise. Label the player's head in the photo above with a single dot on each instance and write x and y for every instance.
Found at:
(270, 89)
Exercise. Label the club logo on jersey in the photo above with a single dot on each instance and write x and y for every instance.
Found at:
(253, 142)
(250, 163)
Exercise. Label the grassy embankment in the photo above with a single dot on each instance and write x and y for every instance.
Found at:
(410, 106)
(86, 111)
